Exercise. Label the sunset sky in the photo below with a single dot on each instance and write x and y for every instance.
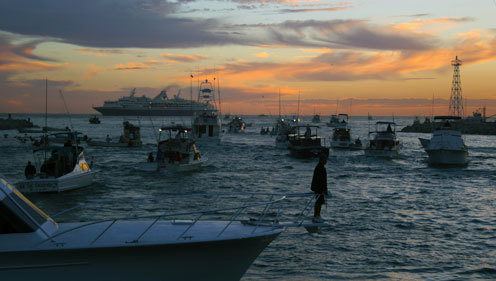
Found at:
(381, 57)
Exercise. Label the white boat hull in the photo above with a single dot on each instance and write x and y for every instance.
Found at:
(447, 157)
(212, 260)
(64, 183)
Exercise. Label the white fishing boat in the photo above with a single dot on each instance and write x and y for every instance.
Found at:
(176, 153)
(308, 144)
(219, 242)
(65, 169)
(341, 135)
(334, 121)
(383, 142)
(130, 137)
(237, 125)
(446, 146)
(207, 124)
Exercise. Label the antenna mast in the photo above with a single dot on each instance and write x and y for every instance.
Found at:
(298, 112)
(456, 98)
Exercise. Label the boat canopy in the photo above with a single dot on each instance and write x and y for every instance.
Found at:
(17, 213)
(385, 123)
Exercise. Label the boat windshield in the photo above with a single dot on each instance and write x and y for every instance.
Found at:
(17, 213)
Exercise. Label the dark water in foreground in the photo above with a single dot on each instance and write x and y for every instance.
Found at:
(391, 219)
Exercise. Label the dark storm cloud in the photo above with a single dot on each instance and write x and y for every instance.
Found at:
(155, 24)
(109, 24)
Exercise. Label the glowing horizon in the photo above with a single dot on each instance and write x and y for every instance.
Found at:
(385, 58)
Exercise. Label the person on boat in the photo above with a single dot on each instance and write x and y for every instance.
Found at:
(108, 139)
(319, 186)
(150, 157)
(389, 129)
(30, 170)
(308, 133)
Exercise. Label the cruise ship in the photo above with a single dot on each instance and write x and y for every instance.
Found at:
(161, 105)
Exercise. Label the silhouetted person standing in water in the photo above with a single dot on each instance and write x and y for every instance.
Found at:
(319, 186)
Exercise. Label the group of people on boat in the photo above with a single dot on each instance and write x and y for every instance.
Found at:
(61, 161)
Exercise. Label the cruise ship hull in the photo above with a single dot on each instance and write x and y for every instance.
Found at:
(108, 111)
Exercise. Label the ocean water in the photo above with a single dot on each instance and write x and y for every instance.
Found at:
(390, 219)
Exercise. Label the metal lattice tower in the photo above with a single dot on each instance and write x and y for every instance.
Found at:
(456, 99)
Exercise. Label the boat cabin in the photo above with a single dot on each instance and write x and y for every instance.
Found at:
(56, 161)
(306, 136)
(207, 123)
(178, 144)
(384, 136)
(130, 135)
(341, 134)
(236, 125)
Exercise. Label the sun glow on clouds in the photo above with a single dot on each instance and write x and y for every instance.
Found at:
(175, 58)
(262, 55)
(329, 45)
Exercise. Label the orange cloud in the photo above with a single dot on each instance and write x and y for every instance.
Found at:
(441, 23)
(262, 55)
(15, 102)
(475, 46)
(25, 65)
(93, 71)
(175, 58)
(130, 66)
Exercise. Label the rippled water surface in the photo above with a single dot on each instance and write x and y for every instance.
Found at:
(391, 219)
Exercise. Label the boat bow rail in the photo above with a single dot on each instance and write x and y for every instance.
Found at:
(261, 211)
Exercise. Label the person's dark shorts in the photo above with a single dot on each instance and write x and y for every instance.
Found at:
(320, 199)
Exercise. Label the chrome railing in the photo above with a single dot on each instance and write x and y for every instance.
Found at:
(288, 207)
